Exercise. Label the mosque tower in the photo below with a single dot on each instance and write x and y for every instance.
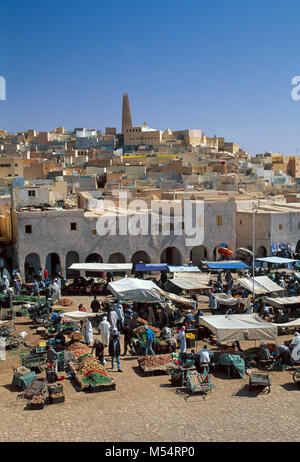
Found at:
(126, 114)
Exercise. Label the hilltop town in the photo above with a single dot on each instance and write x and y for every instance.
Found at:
(52, 183)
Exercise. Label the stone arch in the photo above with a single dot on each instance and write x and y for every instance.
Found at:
(93, 258)
(140, 255)
(216, 255)
(32, 260)
(71, 257)
(116, 258)
(53, 264)
(261, 252)
(171, 256)
(198, 254)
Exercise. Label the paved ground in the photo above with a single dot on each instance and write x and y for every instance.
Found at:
(148, 409)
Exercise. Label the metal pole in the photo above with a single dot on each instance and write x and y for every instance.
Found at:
(253, 250)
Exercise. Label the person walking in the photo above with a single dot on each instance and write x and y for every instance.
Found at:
(87, 331)
(98, 347)
(182, 340)
(35, 288)
(120, 314)
(113, 319)
(149, 341)
(95, 305)
(104, 329)
(128, 339)
(114, 349)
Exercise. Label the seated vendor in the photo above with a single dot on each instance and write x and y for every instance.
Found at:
(264, 353)
(189, 317)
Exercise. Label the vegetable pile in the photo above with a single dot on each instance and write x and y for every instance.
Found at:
(88, 363)
(78, 349)
(154, 361)
(95, 378)
(64, 302)
(39, 399)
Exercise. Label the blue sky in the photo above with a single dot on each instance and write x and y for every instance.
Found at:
(222, 66)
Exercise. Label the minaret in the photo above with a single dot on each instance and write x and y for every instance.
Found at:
(126, 114)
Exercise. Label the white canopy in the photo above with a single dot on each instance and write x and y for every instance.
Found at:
(262, 285)
(281, 301)
(140, 290)
(239, 327)
(225, 299)
(79, 315)
(294, 323)
(186, 281)
(277, 260)
(97, 267)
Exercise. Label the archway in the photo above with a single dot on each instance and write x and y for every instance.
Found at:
(298, 247)
(261, 252)
(116, 258)
(140, 256)
(171, 256)
(222, 256)
(32, 265)
(53, 264)
(93, 258)
(71, 257)
(198, 254)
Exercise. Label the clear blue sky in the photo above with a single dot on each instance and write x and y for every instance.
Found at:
(222, 66)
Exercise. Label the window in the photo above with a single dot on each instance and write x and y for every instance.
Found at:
(241, 222)
(280, 226)
(73, 226)
(219, 220)
(28, 229)
(31, 193)
(94, 231)
(182, 225)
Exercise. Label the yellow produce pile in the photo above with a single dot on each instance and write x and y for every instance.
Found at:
(88, 363)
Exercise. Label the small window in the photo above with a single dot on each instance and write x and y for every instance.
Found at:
(219, 220)
(31, 193)
(73, 226)
(182, 225)
(28, 229)
(241, 222)
(94, 231)
(280, 226)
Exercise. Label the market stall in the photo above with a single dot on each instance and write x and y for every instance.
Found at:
(239, 327)
(239, 305)
(224, 265)
(262, 285)
(143, 291)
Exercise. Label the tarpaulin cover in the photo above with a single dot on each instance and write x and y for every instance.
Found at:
(277, 260)
(262, 285)
(239, 327)
(231, 264)
(183, 268)
(295, 323)
(234, 360)
(81, 315)
(137, 290)
(140, 290)
(151, 267)
(101, 266)
(225, 299)
(281, 301)
(175, 298)
(191, 282)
